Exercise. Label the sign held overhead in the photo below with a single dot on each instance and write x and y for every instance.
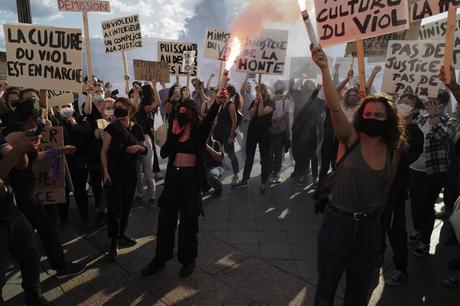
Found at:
(122, 34)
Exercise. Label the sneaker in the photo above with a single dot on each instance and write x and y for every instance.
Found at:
(235, 179)
(125, 240)
(71, 269)
(271, 180)
(153, 267)
(263, 188)
(158, 176)
(396, 278)
(151, 204)
(187, 269)
(241, 184)
(277, 179)
(414, 237)
(422, 250)
(112, 255)
(138, 200)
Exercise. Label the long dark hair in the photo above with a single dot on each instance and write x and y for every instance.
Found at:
(395, 134)
(236, 97)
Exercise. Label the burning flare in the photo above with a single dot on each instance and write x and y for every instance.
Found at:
(235, 50)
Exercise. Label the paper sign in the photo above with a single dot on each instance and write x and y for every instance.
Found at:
(3, 65)
(375, 48)
(122, 34)
(437, 31)
(172, 52)
(265, 54)
(216, 44)
(83, 6)
(58, 98)
(189, 60)
(47, 189)
(44, 57)
(413, 67)
(148, 70)
(426, 8)
(339, 22)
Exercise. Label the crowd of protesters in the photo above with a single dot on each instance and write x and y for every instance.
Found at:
(381, 150)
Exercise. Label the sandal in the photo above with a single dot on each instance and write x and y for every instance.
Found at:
(451, 282)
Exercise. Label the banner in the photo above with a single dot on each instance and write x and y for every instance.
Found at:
(172, 52)
(413, 67)
(148, 70)
(375, 48)
(265, 54)
(83, 6)
(216, 44)
(122, 34)
(437, 31)
(339, 22)
(58, 98)
(189, 60)
(426, 8)
(304, 67)
(3, 65)
(48, 190)
(44, 57)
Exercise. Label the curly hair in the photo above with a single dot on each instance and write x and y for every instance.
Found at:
(236, 95)
(395, 134)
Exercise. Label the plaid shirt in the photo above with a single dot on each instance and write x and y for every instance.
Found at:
(437, 143)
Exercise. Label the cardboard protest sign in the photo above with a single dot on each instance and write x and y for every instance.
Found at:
(437, 31)
(413, 66)
(339, 22)
(172, 52)
(189, 60)
(3, 65)
(375, 48)
(83, 6)
(148, 70)
(216, 44)
(44, 57)
(265, 54)
(426, 8)
(58, 97)
(47, 189)
(122, 34)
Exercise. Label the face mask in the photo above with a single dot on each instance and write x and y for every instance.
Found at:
(352, 101)
(98, 98)
(120, 112)
(373, 127)
(182, 119)
(404, 110)
(109, 112)
(66, 112)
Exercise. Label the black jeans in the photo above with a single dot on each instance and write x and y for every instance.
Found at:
(394, 222)
(345, 244)
(18, 238)
(425, 189)
(79, 175)
(181, 195)
(303, 149)
(230, 150)
(42, 222)
(262, 138)
(328, 157)
(120, 196)
(277, 152)
(95, 177)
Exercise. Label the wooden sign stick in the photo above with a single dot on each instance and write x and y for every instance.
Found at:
(188, 80)
(361, 67)
(221, 67)
(450, 33)
(89, 67)
(125, 62)
(177, 80)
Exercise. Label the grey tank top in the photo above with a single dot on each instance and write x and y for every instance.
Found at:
(358, 188)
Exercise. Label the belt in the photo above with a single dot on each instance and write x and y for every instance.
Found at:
(355, 215)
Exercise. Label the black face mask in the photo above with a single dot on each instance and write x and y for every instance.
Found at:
(182, 119)
(120, 112)
(372, 127)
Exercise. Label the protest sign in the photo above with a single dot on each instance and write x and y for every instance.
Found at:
(148, 70)
(413, 66)
(339, 22)
(216, 44)
(122, 34)
(83, 6)
(58, 98)
(304, 67)
(265, 54)
(3, 65)
(375, 48)
(189, 60)
(172, 52)
(426, 8)
(44, 57)
(47, 189)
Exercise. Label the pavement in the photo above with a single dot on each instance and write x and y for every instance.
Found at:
(255, 249)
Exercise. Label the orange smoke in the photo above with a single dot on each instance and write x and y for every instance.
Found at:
(235, 50)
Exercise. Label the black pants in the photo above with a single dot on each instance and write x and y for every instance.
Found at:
(181, 195)
(394, 222)
(345, 244)
(95, 177)
(425, 189)
(230, 151)
(262, 138)
(120, 196)
(451, 188)
(303, 149)
(277, 152)
(18, 238)
(328, 157)
(79, 175)
(42, 222)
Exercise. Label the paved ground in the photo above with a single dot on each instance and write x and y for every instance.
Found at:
(254, 250)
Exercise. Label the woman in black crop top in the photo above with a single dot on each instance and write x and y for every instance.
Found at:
(122, 145)
(185, 179)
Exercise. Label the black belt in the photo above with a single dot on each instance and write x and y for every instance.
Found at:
(354, 215)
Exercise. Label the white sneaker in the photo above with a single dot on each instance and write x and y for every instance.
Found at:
(235, 179)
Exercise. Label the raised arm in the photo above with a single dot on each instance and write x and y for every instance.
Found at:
(371, 78)
(127, 87)
(243, 85)
(88, 107)
(156, 99)
(452, 83)
(343, 129)
(208, 84)
(344, 82)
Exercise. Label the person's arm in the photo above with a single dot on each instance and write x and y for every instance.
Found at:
(106, 140)
(371, 78)
(243, 85)
(208, 84)
(127, 86)
(14, 155)
(263, 110)
(452, 83)
(253, 109)
(344, 83)
(88, 106)
(156, 100)
(233, 117)
(219, 156)
(207, 123)
(344, 131)
(52, 153)
(336, 74)
(203, 108)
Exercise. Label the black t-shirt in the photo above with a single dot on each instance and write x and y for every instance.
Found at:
(264, 121)
(94, 116)
(119, 161)
(145, 120)
(6, 118)
(208, 159)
